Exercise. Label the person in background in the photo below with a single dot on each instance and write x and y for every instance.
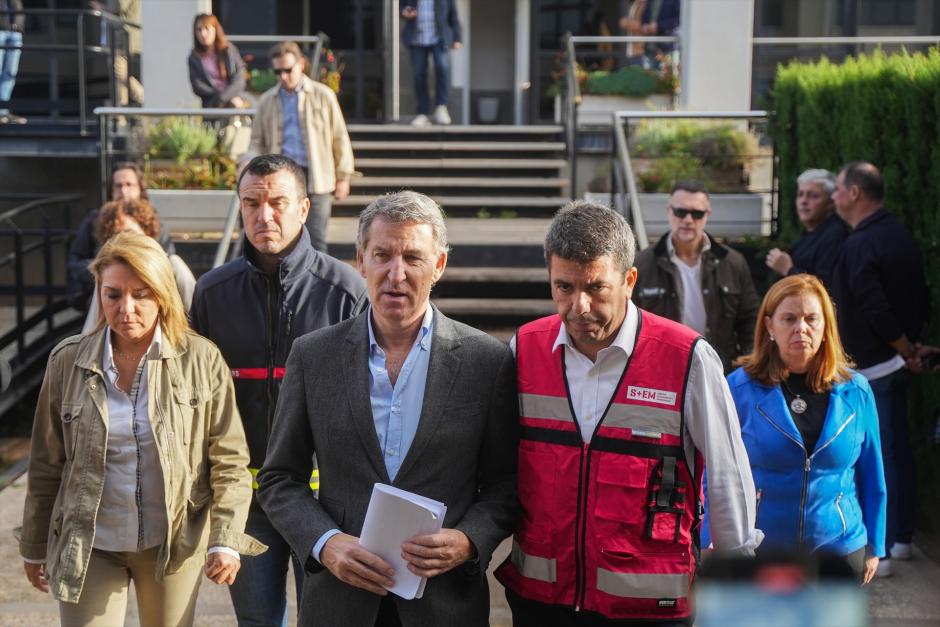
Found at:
(127, 183)
(816, 250)
(301, 119)
(137, 216)
(689, 277)
(660, 19)
(631, 24)
(11, 40)
(432, 28)
(137, 460)
(810, 426)
(216, 69)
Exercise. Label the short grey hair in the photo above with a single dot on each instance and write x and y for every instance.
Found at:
(824, 178)
(401, 207)
(583, 232)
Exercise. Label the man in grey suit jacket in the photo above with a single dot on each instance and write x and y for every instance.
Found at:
(400, 395)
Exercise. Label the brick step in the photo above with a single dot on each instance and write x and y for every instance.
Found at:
(458, 146)
(416, 182)
(445, 163)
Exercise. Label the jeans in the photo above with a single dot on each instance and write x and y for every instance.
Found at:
(419, 61)
(259, 593)
(317, 219)
(9, 63)
(900, 474)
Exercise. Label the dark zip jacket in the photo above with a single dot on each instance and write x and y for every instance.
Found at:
(254, 317)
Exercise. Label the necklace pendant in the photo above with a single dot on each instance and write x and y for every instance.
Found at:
(798, 405)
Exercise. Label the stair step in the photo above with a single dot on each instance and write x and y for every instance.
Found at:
(456, 129)
(495, 275)
(457, 181)
(517, 307)
(471, 201)
(459, 164)
(459, 146)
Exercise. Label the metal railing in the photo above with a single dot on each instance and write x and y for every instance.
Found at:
(622, 174)
(572, 90)
(111, 24)
(319, 41)
(838, 41)
(33, 334)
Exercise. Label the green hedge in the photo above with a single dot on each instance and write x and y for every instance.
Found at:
(884, 109)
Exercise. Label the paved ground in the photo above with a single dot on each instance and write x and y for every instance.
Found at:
(911, 598)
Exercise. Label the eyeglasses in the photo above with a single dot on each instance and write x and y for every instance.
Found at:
(284, 70)
(682, 212)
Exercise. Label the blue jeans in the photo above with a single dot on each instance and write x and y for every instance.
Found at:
(900, 473)
(9, 64)
(259, 592)
(320, 207)
(419, 61)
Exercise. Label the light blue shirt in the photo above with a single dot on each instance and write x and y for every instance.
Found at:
(395, 410)
(426, 27)
(292, 140)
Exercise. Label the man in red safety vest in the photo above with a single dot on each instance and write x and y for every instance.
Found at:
(620, 412)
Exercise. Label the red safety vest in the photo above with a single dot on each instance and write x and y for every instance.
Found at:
(610, 526)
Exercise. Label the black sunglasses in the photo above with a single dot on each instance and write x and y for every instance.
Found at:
(285, 70)
(682, 212)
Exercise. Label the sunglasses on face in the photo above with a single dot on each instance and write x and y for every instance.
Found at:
(682, 212)
(284, 70)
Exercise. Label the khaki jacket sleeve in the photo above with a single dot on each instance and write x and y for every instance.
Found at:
(259, 144)
(228, 465)
(342, 146)
(46, 463)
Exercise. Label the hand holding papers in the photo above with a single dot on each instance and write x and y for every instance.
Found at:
(394, 517)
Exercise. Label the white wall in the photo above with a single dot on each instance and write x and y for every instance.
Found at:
(167, 41)
(716, 54)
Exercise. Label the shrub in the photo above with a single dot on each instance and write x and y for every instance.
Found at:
(180, 139)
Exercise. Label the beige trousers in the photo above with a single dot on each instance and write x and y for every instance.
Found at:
(103, 602)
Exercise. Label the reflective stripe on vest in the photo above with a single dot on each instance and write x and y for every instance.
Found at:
(643, 585)
(541, 568)
(314, 479)
(256, 373)
(647, 421)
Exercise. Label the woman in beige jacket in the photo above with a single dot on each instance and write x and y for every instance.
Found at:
(138, 464)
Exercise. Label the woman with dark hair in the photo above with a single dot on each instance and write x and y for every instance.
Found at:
(810, 427)
(216, 69)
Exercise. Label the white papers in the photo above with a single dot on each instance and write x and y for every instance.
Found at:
(393, 517)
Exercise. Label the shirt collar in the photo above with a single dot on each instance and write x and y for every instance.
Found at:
(153, 350)
(423, 338)
(671, 249)
(625, 339)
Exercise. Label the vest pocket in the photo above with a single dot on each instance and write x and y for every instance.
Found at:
(621, 487)
(536, 483)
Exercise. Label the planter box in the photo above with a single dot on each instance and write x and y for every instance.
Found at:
(192, 210)
(733, 215)
(596, 110)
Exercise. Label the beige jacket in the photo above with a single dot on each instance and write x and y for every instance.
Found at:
(329, 151)
(203, 458)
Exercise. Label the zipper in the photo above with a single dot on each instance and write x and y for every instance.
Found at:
(757, 498)
(841, 515)
(806, 466)
(580, 568)
(272, 341)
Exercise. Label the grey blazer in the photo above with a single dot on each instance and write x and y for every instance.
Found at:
(464, 454)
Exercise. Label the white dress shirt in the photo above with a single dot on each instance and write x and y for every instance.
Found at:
(711, 426)
(690, 291)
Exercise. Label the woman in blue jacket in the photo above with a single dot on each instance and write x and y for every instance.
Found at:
(810, 427)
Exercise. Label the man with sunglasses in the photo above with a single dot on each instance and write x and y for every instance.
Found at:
(301, 119)
(689, 277)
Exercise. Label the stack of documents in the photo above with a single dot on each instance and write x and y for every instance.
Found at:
(395, 516)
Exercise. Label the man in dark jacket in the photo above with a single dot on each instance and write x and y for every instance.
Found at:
(253, 308)
(691, 278)
(883, 308)
(432, 28)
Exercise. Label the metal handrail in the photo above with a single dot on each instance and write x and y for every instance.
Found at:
(317, 40)
(114, 21)
(38, 202)
(221, 253)
(622, 167)
(866, 39)
(572, 100)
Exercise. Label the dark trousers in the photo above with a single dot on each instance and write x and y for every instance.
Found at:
(900, 473)
(526, 613)
(419, 62)
(388, 613)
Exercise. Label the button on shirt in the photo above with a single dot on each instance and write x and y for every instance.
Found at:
(395, 410)
(693, 301)
(426, 28)
(132, 513)
(293, 143)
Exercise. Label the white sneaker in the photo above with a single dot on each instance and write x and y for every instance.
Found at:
(441, 116)
(884, 568)
(421, 120)
(901, 551)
